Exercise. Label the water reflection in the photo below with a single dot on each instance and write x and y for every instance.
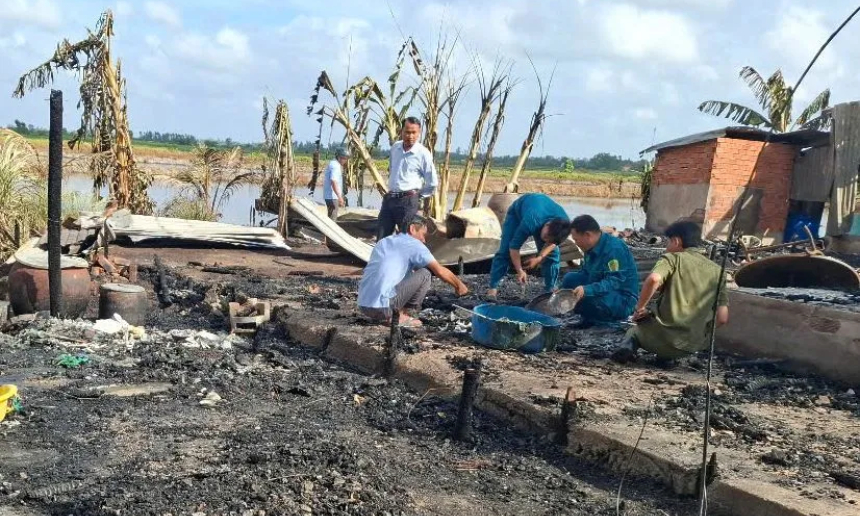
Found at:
(621, 213)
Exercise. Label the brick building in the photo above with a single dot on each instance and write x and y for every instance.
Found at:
(704, 176)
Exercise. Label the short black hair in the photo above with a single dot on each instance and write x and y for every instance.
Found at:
(689, 232)
(411, 120)
(559, 230)
(585, 223)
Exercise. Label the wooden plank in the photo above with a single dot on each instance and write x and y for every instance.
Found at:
(307, 209)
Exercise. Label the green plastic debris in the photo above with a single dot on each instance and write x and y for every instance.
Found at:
(73, 361)
(17, 406)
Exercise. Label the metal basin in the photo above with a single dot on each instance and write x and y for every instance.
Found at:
(555, 303)
(514, 328)
(799, 271)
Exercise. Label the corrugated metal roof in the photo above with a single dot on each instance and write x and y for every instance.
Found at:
(805, 137)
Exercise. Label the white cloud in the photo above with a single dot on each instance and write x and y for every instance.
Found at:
(686, 4)
(704, 73)
(233, 41)
(163, 13)
(152, 41)
(798, 34)
(600, 79)
(124, 9)
(40, 13)
(634, 33)
(670, 94)
(17, 40)
(645, 113)
(229, 50)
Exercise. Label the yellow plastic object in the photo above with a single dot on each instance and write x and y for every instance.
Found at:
(7, 395)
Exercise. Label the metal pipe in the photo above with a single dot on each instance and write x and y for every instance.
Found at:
(55, 204)
(471, 380)
(460, 266)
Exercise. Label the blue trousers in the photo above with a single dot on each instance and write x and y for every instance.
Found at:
(502, 260)
(613, 306)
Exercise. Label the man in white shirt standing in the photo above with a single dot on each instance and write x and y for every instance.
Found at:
(412, 180)
(333, 182)
(397, 277)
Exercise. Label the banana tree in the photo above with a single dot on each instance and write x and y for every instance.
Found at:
(776, 99)
(105, 114)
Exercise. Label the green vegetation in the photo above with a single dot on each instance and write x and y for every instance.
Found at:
(776, 99)
(601, 168)
(24, 193)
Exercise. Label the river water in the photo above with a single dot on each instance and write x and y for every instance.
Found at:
(621, 213)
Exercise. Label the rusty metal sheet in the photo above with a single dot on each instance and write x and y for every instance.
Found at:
(799, 271)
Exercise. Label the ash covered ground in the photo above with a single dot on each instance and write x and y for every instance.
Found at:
(289, 433)
(188, 420)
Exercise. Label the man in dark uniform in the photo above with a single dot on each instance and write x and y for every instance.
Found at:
(607, 284)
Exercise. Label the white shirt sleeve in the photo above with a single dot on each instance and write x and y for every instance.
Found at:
(431, 179)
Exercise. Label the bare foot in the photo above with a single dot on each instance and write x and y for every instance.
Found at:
(410, 322)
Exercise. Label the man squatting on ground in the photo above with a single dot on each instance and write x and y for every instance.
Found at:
(412, 180)
(397, 275)
(608, 280)
(532, 215)
(333, 183)
(684, 316)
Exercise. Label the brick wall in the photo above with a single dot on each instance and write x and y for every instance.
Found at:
(738, 163)
(687, 165)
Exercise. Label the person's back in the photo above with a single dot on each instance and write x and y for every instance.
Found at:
(536, 207)
(689, 290)
(684, 313)
(393, 258)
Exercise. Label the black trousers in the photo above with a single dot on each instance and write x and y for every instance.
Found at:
(397, 211)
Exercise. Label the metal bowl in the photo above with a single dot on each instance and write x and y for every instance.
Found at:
(554, 304)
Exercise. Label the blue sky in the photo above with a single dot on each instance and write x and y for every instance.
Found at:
(625, 68)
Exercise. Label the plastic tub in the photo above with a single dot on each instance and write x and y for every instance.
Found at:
(513, 327)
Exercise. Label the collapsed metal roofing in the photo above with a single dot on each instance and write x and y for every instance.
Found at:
(804, 137)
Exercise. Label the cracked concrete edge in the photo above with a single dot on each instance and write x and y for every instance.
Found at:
(593, 443)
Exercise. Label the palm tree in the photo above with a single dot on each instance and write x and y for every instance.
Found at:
(212, 178)
(775, 98)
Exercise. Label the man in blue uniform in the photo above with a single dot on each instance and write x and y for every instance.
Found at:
(532, 215)
(607, 285)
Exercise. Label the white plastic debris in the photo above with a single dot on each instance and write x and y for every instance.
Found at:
(211, 399)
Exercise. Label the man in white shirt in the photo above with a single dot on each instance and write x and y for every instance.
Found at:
(397, 275)
(333, 182)
(411, 179)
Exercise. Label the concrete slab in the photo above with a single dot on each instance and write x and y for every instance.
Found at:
(823, 339)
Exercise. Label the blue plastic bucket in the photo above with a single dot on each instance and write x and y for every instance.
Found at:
(509, 327)
(796, 222)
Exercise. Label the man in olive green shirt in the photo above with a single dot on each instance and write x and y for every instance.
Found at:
(685, 310)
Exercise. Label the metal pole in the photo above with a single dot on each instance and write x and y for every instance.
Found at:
(55, 207)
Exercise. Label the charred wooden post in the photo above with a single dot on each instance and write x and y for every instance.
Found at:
(55, 205)
(471, 380)
(395, 342)
(17, 235)
(568, 412)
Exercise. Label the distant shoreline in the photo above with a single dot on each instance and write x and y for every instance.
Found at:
(165, 165)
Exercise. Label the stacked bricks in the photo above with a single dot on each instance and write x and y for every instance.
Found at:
(740, 163)
(687, 165)
(728, 165)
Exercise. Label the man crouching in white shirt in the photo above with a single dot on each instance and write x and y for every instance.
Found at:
(397, 277)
